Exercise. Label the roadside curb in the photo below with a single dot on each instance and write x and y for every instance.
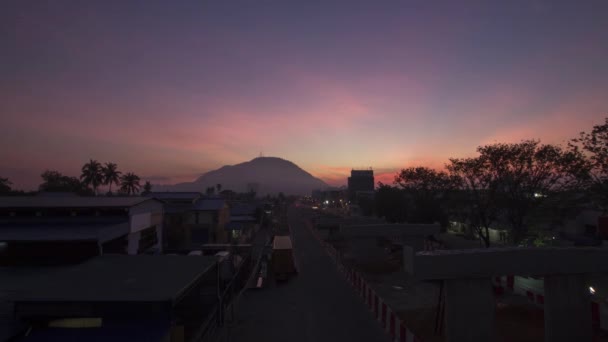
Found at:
(382, 312)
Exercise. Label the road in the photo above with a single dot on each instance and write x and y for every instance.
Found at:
(316, 305)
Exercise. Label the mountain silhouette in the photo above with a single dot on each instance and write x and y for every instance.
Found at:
(265, 175)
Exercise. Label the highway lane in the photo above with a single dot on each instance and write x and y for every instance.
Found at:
(316, 305)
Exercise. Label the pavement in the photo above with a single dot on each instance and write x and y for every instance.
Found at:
(315, 305)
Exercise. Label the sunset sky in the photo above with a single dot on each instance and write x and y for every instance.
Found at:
(172, 89)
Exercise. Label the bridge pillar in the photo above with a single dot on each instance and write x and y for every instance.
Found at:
(470, 310)
(567, 308)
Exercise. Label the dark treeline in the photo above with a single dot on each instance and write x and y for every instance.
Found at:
(514, 186)
(93, 175)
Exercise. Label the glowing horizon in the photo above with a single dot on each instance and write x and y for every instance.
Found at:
(170, 91)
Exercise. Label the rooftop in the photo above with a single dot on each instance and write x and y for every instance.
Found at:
(487, 262)
(62, 231)
(242, 209)
(173, 208)
(69, 201)
(186, 195)
(360, 172)
(210, 204)
(107, 278)
(136, 330)
(389, 229)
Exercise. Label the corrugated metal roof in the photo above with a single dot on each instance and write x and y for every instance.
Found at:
(118, 278)
(176, 208)
(239, 209)
(63, 232)
(137, 329)
(210, 204)
(175, 195)
(65, 220)
(69, 201)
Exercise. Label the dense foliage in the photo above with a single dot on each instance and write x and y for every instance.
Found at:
(510, 185)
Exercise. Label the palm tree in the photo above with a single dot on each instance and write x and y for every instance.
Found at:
(110, 175)
(129, 183)
(5, 185)
(92, 174)
(147, 187)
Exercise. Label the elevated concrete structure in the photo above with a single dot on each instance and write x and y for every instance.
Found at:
(470, 306)
(470, 312)
(336, 222)
(389, 230)
(489, 262)
(364, 238)
(412, 235)
(567, 314)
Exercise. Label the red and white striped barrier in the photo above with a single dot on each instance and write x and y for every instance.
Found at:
(397, 329)
(538, 298)
(503, 284)
(382, 312)
(536, 295)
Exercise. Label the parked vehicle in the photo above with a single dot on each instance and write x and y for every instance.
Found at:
(283, 263)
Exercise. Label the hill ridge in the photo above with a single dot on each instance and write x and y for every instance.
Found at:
(265, 175)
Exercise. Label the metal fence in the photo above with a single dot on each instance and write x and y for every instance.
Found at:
(223, 310)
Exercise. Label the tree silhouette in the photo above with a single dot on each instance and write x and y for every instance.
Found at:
(427, 190)
(92, 174)
(111, 175)
(527, 173)
(479, 189)
(210, 191)
(594, 145)
(390, 203)
(54, 181)
(5, 185)
(147, 187)
(218, 187)
(129, 183)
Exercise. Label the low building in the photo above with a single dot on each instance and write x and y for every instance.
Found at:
(331, 197)
(192, 220)
(244, 222)
(60, 229)
(113, 297)
(178, 207)
(241, 228)
(214, 214)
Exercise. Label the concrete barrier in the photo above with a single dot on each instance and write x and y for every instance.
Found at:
(491, 262)
(468, 276)
(382, 312)
(389, 230)
(536, 295)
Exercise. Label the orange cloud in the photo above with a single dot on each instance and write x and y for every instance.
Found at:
(558, 124)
